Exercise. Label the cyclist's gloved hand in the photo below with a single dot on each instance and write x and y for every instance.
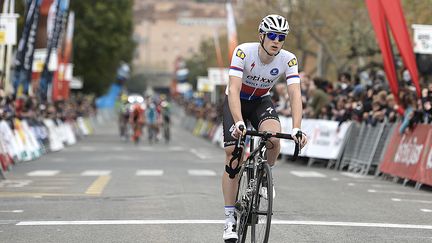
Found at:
(237, 132)
(299, 137)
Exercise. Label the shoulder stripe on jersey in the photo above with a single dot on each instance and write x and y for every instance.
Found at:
(236, 68)
(293, 76)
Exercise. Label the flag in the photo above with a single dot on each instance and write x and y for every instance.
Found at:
(217, 49)
(382, 12)
(396, 19)
(231, 29)
(24, 57)
(47, 77)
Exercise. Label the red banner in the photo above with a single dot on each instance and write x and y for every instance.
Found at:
(408, 155)
(424, 172)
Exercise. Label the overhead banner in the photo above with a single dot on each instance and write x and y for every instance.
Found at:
(409, 155)
(325, 138)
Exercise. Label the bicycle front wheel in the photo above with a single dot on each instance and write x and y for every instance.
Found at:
(243, 204)
(262, 205)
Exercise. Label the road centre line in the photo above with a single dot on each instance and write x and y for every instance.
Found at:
(274, 222)
(426, 210)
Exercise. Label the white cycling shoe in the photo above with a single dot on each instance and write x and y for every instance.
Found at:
(230, 232)
(263, 193)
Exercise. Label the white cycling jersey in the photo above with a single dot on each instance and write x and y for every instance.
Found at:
(258, 78)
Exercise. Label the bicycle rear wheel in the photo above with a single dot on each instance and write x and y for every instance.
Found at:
(262, 206)
(243, 204)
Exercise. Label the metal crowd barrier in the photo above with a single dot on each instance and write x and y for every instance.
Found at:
(365, 147)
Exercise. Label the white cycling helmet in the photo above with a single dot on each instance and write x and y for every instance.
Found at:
(274, 23)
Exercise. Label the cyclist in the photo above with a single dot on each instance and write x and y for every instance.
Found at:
(165, 111)
(137, 120)
(255, 68)
(123, 116)
(151, 115)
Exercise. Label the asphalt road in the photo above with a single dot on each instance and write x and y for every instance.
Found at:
(106, 190)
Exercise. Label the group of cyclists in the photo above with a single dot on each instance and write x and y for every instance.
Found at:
(138, 114)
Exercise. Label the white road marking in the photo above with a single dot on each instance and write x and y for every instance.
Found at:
(335, 179)
(381, 186)
(12, 211)
(14, 183)
(354, 175)
(149, 172)
(274, 222)
(43, 173)
(197, 154)
(426, 210)
(118, 148)
(96, 172)
(396, 192)
(351, 184)
(59, 159)
(307, 174)
(411, 200)
(201, 173)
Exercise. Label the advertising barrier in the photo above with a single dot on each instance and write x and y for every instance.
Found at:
(25, 140)
(409, 155)
(325, 138)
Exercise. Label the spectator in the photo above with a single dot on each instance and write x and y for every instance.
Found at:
(318, 100)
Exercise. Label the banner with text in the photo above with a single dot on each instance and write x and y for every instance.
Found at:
(325, 138)
(408, 155)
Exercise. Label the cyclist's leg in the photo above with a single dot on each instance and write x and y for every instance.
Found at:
(230, 175)
(229, 185)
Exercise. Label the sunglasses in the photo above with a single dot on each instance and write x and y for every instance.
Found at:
(272, 36)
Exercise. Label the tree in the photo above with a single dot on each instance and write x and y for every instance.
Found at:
(103, 38)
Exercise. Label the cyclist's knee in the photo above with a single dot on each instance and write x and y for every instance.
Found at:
(273, 144)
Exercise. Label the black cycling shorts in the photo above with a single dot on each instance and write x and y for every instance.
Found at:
(254, 111)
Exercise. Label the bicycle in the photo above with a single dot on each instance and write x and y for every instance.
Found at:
(252, 207)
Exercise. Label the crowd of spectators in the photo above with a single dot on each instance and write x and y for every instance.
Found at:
(33, 110)
(366, 97)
